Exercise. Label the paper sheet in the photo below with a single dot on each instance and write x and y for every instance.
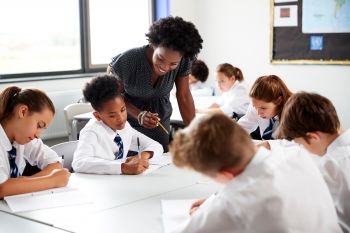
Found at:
(46, 199)
(175, 213)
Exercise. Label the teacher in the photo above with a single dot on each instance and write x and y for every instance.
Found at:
(148, 74)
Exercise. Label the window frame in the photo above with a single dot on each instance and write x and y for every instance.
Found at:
(87, 68)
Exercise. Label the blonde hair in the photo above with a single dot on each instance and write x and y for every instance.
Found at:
(212, 143)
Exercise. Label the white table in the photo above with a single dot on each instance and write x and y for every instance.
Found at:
(13, 224)
(123, 203)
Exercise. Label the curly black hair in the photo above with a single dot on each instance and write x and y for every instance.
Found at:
(200, 70)
(102, 89)
(176, 34)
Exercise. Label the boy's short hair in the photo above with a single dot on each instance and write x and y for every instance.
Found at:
(308, 112)
(102, 89)
(200, 70)
(211, 143)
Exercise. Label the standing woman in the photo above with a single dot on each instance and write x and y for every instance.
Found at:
(149, 73)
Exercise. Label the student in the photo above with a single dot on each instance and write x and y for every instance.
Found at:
(268, 96)
(197, 78)
(311, 120)
(265, 191)
(105, 141)
(24, 113)
(234, 100)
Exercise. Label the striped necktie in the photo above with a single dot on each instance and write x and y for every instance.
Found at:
(13, 166)
(119, 141)
(267, 135)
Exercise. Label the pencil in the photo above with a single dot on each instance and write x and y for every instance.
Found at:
(163, 128)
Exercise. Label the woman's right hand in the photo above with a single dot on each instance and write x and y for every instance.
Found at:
(150, 120)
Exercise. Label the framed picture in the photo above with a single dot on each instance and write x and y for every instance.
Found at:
(310, 32)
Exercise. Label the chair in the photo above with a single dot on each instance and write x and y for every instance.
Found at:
(74, 109)
(66, 151)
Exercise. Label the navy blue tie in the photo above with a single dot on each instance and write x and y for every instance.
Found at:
(119, 141)
(13, 166)
(267, 135)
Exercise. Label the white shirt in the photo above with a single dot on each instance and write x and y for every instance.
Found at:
(251, 121)
(96, 148)
(200, 89)
(236, 99)
(277, 192)
(335, 168)
(35, 152)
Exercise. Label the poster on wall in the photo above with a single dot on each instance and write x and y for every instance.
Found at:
(310, 32)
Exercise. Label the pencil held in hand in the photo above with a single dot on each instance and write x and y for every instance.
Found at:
(162, 126)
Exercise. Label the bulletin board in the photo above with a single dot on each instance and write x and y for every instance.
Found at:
(310, 31)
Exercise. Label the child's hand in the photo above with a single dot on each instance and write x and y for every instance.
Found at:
(134, 165)
(60, 177)
(196, 205)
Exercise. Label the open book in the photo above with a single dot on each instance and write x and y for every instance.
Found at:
(50, 198)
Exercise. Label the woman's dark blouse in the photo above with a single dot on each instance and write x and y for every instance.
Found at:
(134, 70)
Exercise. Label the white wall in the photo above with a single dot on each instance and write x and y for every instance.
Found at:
(238, 32)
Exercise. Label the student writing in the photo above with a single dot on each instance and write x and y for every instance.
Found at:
(265, 191)
(312, 121)
(234, 100)
(24, 114)
(268, 96)
(105, 141)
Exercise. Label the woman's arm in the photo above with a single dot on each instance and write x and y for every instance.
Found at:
(184, 99)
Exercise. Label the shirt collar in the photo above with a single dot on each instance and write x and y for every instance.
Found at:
(342, 140)
(4, 139)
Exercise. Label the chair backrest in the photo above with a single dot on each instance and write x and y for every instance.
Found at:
(74, 109)
(66, 151)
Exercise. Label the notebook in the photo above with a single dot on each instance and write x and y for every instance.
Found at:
(50, 198)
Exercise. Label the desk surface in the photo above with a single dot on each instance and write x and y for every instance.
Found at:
(124, 203)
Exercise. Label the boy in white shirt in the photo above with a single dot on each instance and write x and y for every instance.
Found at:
(198, 77)
(311, 120)
(265, 191)
(105, 141)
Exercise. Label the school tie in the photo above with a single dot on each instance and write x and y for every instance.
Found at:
(267, 135)
(119, 141)
(13, 166)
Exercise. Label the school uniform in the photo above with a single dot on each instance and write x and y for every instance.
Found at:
(200, 89)
(251, 121)
(236, 99)
(35, 152)
(335, 168)
(277, 192)
(97, 151)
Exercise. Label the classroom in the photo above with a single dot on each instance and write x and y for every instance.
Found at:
(156, 195)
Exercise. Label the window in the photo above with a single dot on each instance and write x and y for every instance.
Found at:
(40, 37)
(116, 26)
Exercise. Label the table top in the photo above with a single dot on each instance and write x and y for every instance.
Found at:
(121, 201)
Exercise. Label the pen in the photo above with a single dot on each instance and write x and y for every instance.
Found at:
(162, 126)
(138, 147)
